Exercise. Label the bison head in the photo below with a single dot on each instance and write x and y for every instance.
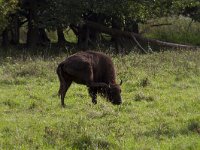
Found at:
(114, 94)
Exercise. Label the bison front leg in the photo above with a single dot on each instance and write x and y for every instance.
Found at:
(93, 94)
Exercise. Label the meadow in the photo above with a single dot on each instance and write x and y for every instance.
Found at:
(160, 110)
(179, 30)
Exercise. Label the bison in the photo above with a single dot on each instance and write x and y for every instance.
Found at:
(93, 69)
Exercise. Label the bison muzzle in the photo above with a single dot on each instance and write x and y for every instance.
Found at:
(93, 69)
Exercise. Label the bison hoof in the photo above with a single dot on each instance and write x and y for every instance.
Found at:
(63, 105)
(116, 103)
(94, 102)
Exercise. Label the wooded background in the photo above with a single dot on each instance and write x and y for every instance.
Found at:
(89, 20)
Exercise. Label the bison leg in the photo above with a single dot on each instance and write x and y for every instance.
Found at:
(65, 83)
(63, 91)
(93, 94)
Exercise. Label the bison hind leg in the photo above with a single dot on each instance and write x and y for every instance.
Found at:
(65, 83)
(63, 89)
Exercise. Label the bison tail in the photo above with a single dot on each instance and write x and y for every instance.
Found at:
(61, 78)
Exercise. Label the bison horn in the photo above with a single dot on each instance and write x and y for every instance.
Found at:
(121, 82)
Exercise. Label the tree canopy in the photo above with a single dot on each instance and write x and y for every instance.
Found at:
(41, 15)
(7, 7)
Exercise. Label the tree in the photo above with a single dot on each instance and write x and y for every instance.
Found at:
(124, 15)
(60, 14)
(32, 11)
(7, 7)
(192, 10)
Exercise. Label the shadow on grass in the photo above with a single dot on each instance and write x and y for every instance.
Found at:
(87, 142)
(9, 103)
(164, 130)
(12, 82)
(74, 139)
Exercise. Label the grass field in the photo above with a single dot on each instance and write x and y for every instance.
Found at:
(160, 110)
(182, 30)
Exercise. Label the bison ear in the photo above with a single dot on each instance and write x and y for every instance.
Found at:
(121, 82)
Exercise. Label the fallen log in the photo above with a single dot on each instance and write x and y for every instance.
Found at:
(137, 37)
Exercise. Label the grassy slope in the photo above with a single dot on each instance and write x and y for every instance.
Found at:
(160, 108)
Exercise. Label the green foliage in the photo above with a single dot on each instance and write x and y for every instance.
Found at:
(61, 13)
(160, 109)
(189, 8)
(52, 14)
(6, 7)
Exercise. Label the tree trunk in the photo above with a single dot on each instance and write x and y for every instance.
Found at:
(87, 38)
(94, 35)
(61, 36)
(5, 38)
(43, 38)
(33, 31)
(15, 27)
(32, 36)
(135, 27)
(116, 24)
(131, 26)
(83, 37)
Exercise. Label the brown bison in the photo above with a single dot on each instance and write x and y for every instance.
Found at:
(93, 69)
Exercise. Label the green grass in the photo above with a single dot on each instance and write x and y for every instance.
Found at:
(160, 110)
(182, 30)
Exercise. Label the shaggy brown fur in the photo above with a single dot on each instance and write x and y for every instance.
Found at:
(93, 69)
